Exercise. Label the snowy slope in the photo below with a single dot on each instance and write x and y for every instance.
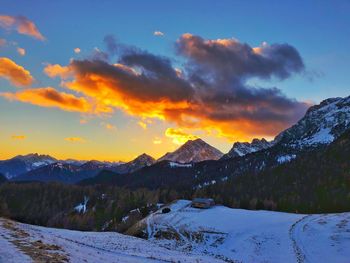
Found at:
(243, 148)
(251, 236)
(28, 243)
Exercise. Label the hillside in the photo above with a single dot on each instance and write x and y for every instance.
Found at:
(28, 243)
(237, 235)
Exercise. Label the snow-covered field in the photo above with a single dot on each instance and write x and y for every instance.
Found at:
(186, 234)
(251, 236)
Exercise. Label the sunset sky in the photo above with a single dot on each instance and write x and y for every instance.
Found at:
(110, 80)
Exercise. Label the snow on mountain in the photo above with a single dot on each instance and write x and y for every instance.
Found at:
(193, 151)
(321, 125)
(243, 148)
(236, 235)
(23, 163)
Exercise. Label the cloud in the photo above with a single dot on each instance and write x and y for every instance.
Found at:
(57, 70)
(158, 33)
(179, 136)
(14, 73)
(50, 97)
(77, 50)
(21, 51)
(209, 92)
(21, 24)
(109, 126)
(142, 124)
(75, 139)
(18, 137)
(157, 140)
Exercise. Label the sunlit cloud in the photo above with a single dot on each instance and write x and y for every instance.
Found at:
(77, 50)
(75, 139)
(142, 124)
(18, 137)
(57, 70)
(20, 24)
(21, 51)
(50, 97)
(208, 94)
(179, 136)
(158, 33)
(14, 73)
(157, 141)
(109, 126)
(83, 121)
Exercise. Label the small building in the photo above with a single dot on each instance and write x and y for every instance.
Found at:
(202, 202)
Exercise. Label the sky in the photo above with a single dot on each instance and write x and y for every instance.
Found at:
(110, 80)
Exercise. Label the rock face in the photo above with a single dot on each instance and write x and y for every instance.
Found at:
(243, 148)
(193, 151)
(321, 125)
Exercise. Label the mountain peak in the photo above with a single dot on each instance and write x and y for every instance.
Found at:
(322, 124)
(193, 151)
(243, 148)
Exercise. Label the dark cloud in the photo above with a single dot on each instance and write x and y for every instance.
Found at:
(210, 92)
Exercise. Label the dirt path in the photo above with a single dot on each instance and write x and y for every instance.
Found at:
(37, 250)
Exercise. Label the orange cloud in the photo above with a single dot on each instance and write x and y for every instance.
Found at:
(157, 141)
(109, 126)
(75, 139)
(77, 50)
(21, 24)
(57, 70)
(142, 124)
(50, 97)
(18, 137)
(14, 73)
(179, 136)
(21, 51)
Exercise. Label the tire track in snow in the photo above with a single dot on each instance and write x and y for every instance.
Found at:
(294, 233)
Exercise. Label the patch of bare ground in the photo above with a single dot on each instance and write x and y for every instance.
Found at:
(39, 251)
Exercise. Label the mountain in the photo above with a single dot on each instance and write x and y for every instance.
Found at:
(203, 174)
(60, 172)
(139, 162)
(314, 182)
(24, 163)
(321, 125)
(193, 151)
(243, 148)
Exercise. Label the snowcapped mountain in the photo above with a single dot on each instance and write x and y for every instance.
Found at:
(321, 125)
(23, 163)
(193, 151)
(243, 148)
(139, 162)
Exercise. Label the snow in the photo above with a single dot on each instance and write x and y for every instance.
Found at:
(181, 165)
(81, 208)
(323, 136)
(285, 158)
(81, 246)
(253, 236)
